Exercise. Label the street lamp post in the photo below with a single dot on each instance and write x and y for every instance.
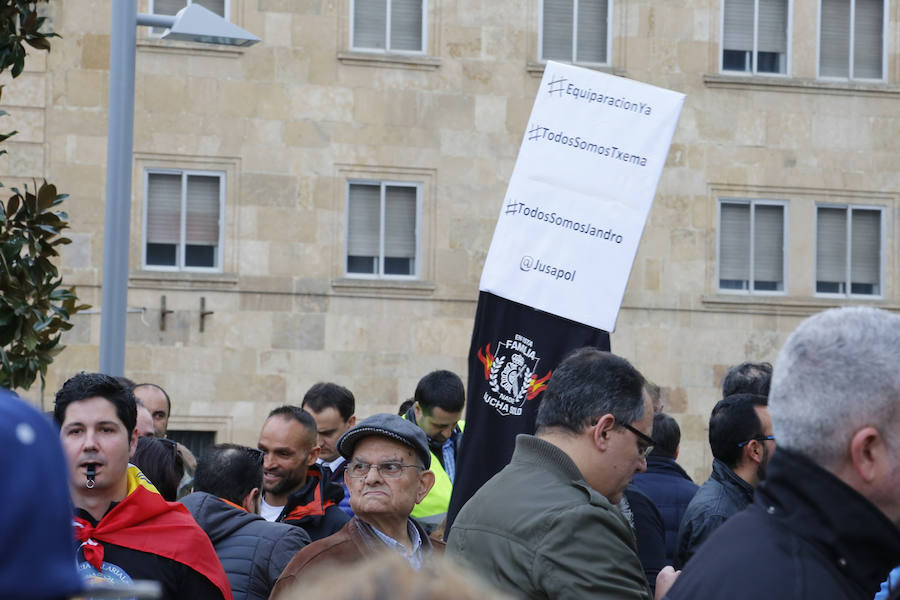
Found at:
(193, 23)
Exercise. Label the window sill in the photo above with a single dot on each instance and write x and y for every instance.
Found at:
(799, 86)
(784, 305)
(182, 280)
(417, 62)
(189, 48)
(536, 69)
(383, 288)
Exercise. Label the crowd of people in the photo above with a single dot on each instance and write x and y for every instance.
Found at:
(803, 500)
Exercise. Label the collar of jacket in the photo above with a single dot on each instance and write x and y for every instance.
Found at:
(665, 465)
(724, 475)
(311, 500)
(819, 507)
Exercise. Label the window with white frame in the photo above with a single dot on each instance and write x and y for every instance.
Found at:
(755, 36)
(383, 228)
(388, 25)
(576, 31)
(848, 250)
(751, 245)
(851, 39)
(183, 220)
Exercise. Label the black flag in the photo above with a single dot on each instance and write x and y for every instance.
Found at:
(513, 352)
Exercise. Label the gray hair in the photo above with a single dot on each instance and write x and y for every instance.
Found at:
(838, 372)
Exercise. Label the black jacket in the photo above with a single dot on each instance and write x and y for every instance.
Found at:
(315, 506)
(671, 490)
(807, 536)
(252, 551)
(717, 500)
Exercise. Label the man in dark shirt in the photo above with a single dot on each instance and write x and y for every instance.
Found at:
(127, 531)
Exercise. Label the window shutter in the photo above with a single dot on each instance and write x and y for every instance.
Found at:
(592, 31)
(400, 222)
(363, 220)
(216, 6)
(167, 7)
(865, 247)
(734, 242)
(738, 30)
(867, 39)
(834, 44)
(831, 245)
(772, 26)
(369, 23)
(557, 30)
(406, 25)
(202, 218)
(163, 208)
(768, 244)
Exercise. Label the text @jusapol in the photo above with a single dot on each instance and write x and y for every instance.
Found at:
(529, 263)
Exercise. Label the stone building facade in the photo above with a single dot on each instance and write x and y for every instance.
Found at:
(779, 197)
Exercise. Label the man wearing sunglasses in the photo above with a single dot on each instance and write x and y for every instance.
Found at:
(387, 473)
(740, 435)
(547, 525)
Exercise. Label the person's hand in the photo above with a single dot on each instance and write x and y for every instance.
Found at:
(664, 581)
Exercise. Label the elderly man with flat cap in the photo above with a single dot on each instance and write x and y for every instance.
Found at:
(387, 474)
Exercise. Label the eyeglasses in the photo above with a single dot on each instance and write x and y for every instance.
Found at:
(171, 444)
(648, 442)
(388, 470)
(257, 454)
(759, 438)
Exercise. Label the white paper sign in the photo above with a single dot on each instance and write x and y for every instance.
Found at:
(580, 193)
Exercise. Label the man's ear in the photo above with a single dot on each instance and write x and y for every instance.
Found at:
(351, 421)
(132, 443)
(426, 482)
(313, 455)
(600, 432)
(868, 454)
(249, 502)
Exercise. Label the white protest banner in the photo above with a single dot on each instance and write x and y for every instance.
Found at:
(580, 193)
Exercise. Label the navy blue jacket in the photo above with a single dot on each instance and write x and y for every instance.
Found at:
(717, 500)
(253, 551)
(807, 536)
(671, 490)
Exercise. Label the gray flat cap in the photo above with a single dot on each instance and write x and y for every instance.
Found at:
(390, 426)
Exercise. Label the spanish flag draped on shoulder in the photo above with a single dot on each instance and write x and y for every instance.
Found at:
(144, 521)
(562, 252)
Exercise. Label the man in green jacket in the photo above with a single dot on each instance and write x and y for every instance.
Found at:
(547, 526)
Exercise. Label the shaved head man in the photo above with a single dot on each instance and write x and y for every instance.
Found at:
(158, 403)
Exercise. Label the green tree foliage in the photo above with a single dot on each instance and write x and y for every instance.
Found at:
(35, 308)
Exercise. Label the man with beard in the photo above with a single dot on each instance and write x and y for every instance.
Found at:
(740, 435)
(294, 491)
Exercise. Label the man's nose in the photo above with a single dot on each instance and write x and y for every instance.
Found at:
(373, 475)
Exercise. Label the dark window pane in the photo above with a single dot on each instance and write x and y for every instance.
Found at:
(735, 60)
(398, 266)
(199, 256)
(161, 255)
(767, 286)
(863, 288)
(733, 284)
(195, 441)
(768, 62)
(362, 264)
(830, 287)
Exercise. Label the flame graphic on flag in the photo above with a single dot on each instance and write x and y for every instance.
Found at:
(536, 386)
(487, 359)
